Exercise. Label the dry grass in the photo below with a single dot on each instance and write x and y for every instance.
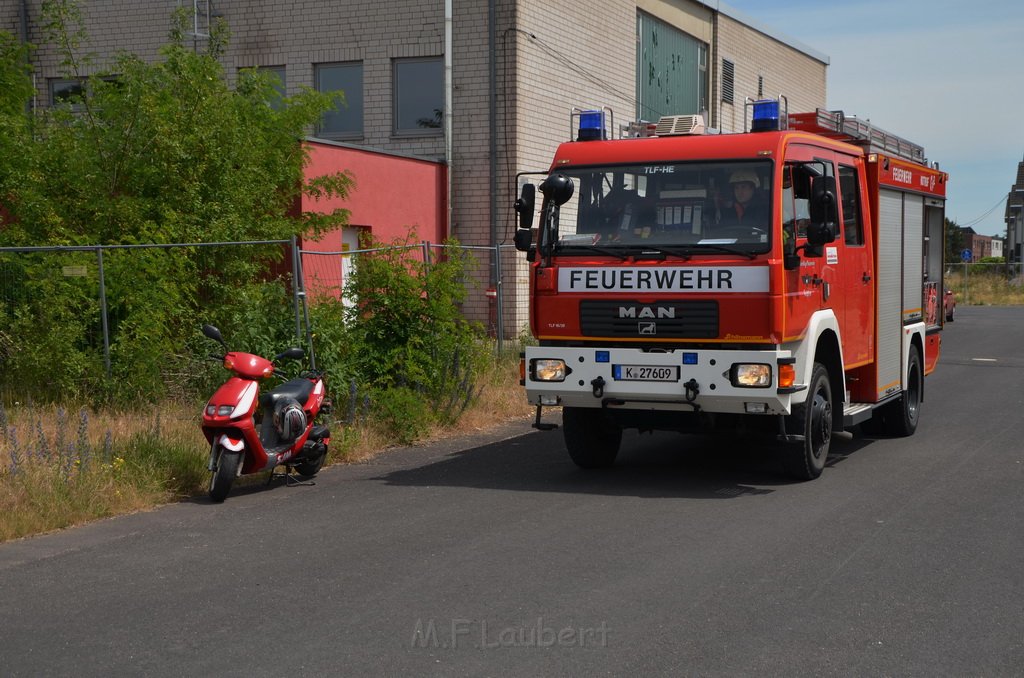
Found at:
(500, 399)
(59, 469)
(986, 285)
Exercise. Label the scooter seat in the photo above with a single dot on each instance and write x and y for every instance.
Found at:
(297, 389)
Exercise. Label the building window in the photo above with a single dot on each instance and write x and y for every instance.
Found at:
(419, 96)
(345, 121)
(66, 91)
(278, 81)
(673, 70)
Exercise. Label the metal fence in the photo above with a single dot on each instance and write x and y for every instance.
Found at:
(33, 273)
(324, 272)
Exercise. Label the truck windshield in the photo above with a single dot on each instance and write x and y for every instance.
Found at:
(718, 206)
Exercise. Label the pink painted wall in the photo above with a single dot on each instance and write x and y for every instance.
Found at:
(391, 194)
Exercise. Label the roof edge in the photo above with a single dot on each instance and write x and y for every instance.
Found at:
(371, 149)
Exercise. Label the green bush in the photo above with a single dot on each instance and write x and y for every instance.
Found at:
(402, 331)
(400, 413)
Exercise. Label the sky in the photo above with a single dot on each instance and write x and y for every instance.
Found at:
(947, 75)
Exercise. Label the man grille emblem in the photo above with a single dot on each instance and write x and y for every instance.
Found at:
(647, 328)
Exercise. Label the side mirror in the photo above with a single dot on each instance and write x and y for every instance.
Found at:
(291, 354)
(523, 239)
(819, 234)
(557, 188)
(823, 206)
(212, 332)
(524, 206)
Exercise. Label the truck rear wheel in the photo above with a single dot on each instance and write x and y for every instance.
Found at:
(811, 419)
(590, 436)
(901, 416)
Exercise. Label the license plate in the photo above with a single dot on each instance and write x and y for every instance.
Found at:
(645, 372)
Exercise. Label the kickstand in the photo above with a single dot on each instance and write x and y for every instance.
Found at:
(289, 479)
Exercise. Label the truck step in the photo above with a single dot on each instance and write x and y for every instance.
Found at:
(855, 413)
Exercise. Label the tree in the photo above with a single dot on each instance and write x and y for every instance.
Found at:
(15, 93)
(159, 152)
(954, 241)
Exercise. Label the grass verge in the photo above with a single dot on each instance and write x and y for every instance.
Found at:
(985, 285)
(61, 468)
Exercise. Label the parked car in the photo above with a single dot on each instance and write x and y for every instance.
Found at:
(949, 305)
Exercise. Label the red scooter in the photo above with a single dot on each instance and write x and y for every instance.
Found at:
(249, 431)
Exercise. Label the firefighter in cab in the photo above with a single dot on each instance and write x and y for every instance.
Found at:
(746, 206)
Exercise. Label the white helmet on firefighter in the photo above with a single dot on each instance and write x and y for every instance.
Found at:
(745, 176)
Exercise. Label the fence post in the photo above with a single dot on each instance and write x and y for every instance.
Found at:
(295, 286)
(103, 312)
(499, 323)
(967, 287)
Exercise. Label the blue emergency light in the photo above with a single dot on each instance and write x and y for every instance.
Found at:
(591, 126)
(766, 116)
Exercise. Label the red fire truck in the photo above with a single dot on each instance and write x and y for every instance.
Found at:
(785, 279)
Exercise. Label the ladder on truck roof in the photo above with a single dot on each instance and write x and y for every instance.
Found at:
(851, 129)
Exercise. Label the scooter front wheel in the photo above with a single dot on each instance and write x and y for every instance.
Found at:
(224, 473)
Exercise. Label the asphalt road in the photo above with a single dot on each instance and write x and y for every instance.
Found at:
(495, 556)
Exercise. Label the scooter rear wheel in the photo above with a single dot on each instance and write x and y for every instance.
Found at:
(224, 474)
(308, 469)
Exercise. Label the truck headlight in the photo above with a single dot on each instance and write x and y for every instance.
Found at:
(548, 369)
(751, 375)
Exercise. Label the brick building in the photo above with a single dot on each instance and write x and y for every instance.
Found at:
(517, 68)
(980, 246)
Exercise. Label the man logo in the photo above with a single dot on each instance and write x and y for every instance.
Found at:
(647, 312)
(647, 328)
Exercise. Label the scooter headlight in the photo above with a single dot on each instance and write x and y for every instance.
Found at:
(224, 410)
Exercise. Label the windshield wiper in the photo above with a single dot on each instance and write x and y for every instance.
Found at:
(681, 252)
(720, 248)
(561, 247)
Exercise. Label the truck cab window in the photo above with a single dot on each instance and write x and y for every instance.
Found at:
(796, 194)
(849, 200)
(691, 204)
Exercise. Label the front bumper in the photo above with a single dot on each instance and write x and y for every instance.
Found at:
(694, 380)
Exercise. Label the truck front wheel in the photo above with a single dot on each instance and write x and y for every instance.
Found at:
(590, 436)
(812, 420)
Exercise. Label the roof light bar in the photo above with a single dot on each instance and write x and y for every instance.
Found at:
(591, 125)
(766, 116)
(769, 115)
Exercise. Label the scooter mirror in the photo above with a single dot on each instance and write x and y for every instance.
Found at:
(291, 354)
(213, 333)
